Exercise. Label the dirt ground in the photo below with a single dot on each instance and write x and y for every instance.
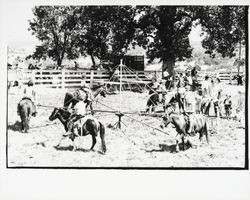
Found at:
(135, 145)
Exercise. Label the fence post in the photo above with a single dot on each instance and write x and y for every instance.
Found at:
(33, 76)
(63, 79)
(91, 78)
(230, 78)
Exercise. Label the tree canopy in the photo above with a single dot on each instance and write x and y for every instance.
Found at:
(56, 27)
(71, 31)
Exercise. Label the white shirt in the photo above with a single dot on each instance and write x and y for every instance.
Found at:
(80, 108)
(190, 101)
(84, 84)
(29, 92)
(190, 81)
(205, 88)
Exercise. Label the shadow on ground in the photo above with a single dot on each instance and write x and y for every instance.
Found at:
(15, 127)
(70, 148)
(170, 148)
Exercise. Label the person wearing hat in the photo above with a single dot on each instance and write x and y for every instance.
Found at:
(29, 93)
(85, 87)
(162, 90)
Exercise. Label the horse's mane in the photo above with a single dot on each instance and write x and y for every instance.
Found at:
(64, 111)
(97, 87)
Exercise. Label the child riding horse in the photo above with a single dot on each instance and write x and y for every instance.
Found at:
(88, 126)
(199, 125)
(79, 95)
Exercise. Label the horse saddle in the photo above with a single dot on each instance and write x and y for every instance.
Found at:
(81, 126)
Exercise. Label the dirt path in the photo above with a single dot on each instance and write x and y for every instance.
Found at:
(135, 146)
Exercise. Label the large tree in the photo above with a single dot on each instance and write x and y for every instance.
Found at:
(224, 30)
(164, 30)
(106, 30)
(56, 27)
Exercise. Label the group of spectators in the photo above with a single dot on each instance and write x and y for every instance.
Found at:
(196, 99)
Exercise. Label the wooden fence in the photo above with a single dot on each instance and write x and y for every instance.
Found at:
(72, 78)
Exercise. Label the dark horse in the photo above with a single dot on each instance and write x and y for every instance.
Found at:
(152, 102)
(198, 123)
(90, 126)
(167, 99)
(25, 109)
(71, 98)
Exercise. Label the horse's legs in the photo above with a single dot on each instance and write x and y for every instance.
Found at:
(206, 132)
(26, 129)
(148, 106)
(153, 109)
(22, 125)
(207, 108)
(178, 137)
(93, 141)
(59, 143)
(72, 137)
(102, 134)
(201, 136)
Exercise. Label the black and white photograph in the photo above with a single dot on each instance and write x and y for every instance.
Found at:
(134, 87)
(124, 100)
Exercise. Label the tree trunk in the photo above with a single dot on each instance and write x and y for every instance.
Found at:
(168, 65)
(239, 63)
(59, 62)
(93, 59)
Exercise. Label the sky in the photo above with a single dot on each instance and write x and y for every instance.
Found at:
(19, 36)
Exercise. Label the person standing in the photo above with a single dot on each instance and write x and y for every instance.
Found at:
(76, 65)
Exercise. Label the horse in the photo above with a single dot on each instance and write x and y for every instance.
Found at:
(198, 123)
(72, 99)
(25, 109)
(89, 126)
(152, 102)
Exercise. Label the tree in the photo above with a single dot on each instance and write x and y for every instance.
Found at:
(56, 27)
(163, 31)
(123, 29)
(224, 28)
(107, 30)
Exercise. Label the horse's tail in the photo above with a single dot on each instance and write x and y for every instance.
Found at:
(25, 112)
(206, 131)
(102, 135)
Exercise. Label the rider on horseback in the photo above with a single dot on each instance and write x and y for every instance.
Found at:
(79, 111)
(85, 87)
(189, 107)
(29, 93)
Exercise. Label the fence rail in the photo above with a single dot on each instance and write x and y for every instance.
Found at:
(71, 79)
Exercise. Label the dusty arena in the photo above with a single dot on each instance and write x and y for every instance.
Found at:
(134, 145)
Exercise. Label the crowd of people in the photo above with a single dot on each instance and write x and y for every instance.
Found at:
(195, 97)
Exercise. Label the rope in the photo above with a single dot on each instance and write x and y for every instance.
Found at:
(34, 127)
(146, 124)
(46, 106)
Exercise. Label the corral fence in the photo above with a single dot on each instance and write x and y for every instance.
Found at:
(72, 78)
